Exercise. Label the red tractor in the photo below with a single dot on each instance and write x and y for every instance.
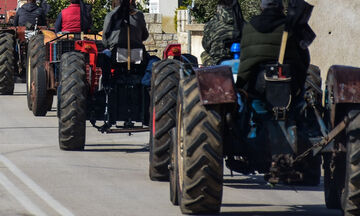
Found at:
(44, 60)
(97, 88)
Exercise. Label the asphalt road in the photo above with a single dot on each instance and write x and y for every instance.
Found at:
(111, 176)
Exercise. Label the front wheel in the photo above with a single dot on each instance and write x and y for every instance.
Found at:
(351, 195)
(200, 152)
(72, 102)
(7, 63)
(36, 76)
(164, 88)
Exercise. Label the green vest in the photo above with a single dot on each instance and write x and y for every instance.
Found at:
(257, 48)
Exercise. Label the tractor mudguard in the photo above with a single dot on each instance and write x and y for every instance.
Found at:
(343, 87)
(216, 85)
(48, 35)
(343, 84)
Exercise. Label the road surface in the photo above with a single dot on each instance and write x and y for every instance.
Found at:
(111, 176)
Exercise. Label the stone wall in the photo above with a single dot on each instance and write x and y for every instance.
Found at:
(157, 38)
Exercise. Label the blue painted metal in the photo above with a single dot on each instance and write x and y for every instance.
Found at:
(259, 106)
(236, 49)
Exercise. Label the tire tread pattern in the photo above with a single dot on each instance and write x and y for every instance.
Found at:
(165, 81)
(72, 107)
(7, 63)
(203, 162)
(351, 196)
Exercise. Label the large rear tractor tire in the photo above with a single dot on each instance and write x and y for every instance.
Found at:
(334, 172)
(200, 152)
(36, 78)
(174, 169)
(7, 63)
(164, 88)
(351, 195)
(72, 102)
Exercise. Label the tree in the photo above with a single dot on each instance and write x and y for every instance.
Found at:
(205, 9)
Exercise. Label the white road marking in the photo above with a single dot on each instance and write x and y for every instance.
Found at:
(20, 196)
(35, 188)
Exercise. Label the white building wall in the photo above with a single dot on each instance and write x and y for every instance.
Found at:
(167, 9)
(154, 6)
(337, 25)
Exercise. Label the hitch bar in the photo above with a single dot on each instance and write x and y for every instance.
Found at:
(328, 138)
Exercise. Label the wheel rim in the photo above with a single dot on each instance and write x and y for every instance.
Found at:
(180, 146)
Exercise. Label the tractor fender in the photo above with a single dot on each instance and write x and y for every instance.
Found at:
(343, 84)
(48, 35)
(216, 85)
(342, 87)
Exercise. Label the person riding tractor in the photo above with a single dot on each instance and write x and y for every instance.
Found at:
(125, 29)
(263, 38)
(29, 13)
(75, 18)
(261, 43)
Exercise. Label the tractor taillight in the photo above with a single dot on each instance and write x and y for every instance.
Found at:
(172, 50)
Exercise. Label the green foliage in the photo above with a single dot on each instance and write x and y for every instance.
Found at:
(55, 8)
(142, 6)
(250, 8)
(205, 9)
(99, 10)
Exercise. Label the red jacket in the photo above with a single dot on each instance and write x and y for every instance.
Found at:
(71, 20)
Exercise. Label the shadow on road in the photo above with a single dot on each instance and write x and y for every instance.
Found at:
(258, 183)
(19, 128)
(131, 148)
(292, 210)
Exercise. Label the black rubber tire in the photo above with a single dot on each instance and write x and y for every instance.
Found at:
(334, 172)
(314, 74)
(190, 59)
(164, 88)
(201, 170)
(351, 195)
(39, 101)
(174, 169)
(7, 63)
(72, 102)
(38, 77)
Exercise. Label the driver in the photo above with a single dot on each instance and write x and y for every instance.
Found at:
(115, 27)
(261, 41)
(74, 18)
(115, 34)
(28, 14)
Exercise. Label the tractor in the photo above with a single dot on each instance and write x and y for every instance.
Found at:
(200, 122)
(13, 47)
(96, 87)
(43, 64)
